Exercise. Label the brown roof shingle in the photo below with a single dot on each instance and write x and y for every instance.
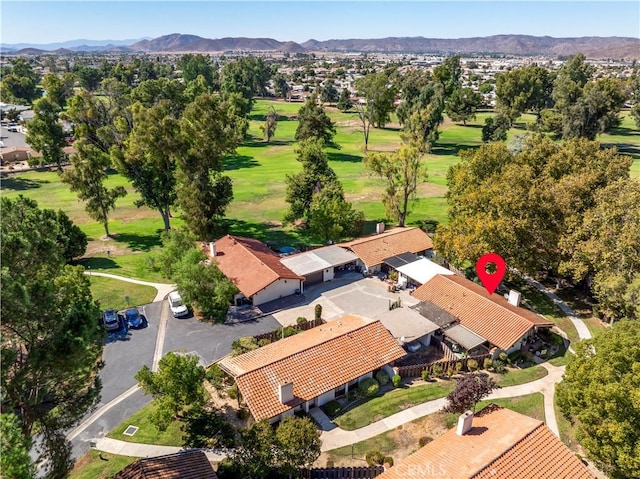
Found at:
(249, 264)
(315, 361)
(372, 250)
(182, 465)
(501, 443)
(491, 317)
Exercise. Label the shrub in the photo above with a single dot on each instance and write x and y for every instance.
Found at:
(264, 342)
(437, 370)
(330, 464)
(382, 378)
(301, 320)
(503, 357)
(458, 367)
(425, 375)
(289, 331)
(374, 457)
(332, 408)
(318, 312)
(424, 440)
(498, 366)
(388, 460)
(369, 387)
(486, 364)
(207, 429)
(243, 345)
(352, 394)
(216, 377)
(596, 311)
(396, 380)
(472, 365)
(232, 392)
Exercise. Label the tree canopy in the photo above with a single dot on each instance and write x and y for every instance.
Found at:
(45, 132)
(522, 203)
(52, 339)
(20, 84)
(469, 389)
(313, 122)
(599, 392)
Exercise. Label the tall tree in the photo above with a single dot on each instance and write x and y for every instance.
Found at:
(344, 101)
(58, 88)
(495, 128)
(520, 204)
(281, 87)
(298, 444)
(246, 76)
(605, 249)
(51, 337)
(316, 176)
(45, 132)
(331, 217)
(270, 124)
(599, 393)
(313, 122)
(462, 104)
(522, 89)
(572, 76)
(86, 176)
(379, 95)
(194, 65)
(177, 387)
(423, 117)
(254, 457)
(328, 92)
(20, 84)
(402, 172)
(448, 74)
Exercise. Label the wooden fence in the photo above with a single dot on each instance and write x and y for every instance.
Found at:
(280, 332)
(343, 472)
(415, 370)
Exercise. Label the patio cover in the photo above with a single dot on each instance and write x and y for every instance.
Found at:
(463, 336)
(422, 270)
(318, 260)
(400, 260)
(407, 323)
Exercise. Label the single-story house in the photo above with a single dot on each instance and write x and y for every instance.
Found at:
(407, 325)
(320, 264)
(373, 250)
(502, 324)
(255, 270)
(494, 443)
(191, 464)
(311, 368)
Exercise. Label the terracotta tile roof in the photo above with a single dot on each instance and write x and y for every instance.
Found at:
(491, 317)
(501, 443)
(250, 264)
(315, 361)
(183, 465)
(372, 250)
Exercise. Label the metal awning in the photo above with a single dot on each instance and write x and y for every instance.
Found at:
(463, 336)
(400, 259)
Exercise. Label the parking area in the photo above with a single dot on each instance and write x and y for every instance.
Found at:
(349, 294)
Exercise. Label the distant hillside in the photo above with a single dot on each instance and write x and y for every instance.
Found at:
(592, 47)
(177, 42)
(72, 44)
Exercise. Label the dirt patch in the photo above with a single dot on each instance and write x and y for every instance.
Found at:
(426, 190)
(227, 407)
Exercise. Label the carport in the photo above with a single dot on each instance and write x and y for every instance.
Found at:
(319, 264)
(458, 335)
(399, 260)
(420, 271)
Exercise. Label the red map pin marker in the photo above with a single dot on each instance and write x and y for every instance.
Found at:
(491, 280)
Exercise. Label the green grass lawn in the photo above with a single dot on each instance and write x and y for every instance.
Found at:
(90, 466)
(392, 402)
(147, 433)
(111, 293)
(520, 376)
(566, 429)
(531, 405)
(135, 265)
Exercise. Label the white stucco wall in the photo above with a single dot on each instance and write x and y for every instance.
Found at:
(327, 274)
(326, 397)
(426, 340)
(277, 289)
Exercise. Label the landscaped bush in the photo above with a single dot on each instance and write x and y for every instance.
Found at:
(472, 365)
(232, 392)
(396, 380)
(243, 414)
(318, 312)
(382, 378)
(369, 387)
(215, 376)
(388, 460)
(264, 342)
(374, 458)
(498, 366)
(301, 320)
(352, 394)
(425, 375)
(503, 357)
(424, 440)
(486, 364)
(332, 408)
(330, 464)
(437, 370)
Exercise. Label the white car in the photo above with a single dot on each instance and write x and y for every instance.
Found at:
(178, 308)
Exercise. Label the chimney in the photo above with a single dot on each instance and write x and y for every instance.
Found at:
(465, 421)
(286, 392)
(514, 297)
(212, 249)
(379, 228)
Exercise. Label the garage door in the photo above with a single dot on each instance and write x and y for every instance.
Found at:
(313, 278)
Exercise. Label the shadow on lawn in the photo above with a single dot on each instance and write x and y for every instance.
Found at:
(21, 184)
(624, 149)
(336, 156)
(257, 142)
(240, 161)
(450, 149)
(97, 263)
(269, 233)
(139, 242)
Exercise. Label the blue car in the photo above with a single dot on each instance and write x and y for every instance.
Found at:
(134, 319)
(110, 320)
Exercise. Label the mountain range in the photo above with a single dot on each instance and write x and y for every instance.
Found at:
(592, 47)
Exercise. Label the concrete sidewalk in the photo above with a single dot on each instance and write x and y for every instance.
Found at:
(163, 288)
(124, 448)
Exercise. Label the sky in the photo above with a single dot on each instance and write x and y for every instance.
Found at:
(24, 21)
